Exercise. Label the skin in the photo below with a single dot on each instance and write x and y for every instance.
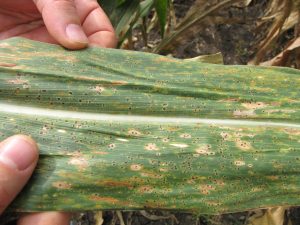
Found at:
(74, 24)
(47, 21)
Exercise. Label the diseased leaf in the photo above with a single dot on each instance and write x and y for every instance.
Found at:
(128, 130)
(216, 58)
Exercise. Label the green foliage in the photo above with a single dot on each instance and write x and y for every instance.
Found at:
(161, 7)
(122, 14)
(125, 14)
(128, 130)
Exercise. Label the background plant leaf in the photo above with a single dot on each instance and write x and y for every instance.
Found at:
(161, 7)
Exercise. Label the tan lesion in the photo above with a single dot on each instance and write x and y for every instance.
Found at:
(99, 89)
(114, 183)
(292, 131)
(79, 161)
(151, 147)
(145, 189)
(254, 105)
(18, 81)
(134, 132)
(244, 113)
(136, 167)
(206, 188)
(242, 144)
(166, 59)
(239, 163)
(62, 185)
(204, 150)
(103, 199)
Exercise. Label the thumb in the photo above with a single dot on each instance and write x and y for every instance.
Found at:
(62, 22)
(18, 157)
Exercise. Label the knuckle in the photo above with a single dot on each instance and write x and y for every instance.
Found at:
(41, 4)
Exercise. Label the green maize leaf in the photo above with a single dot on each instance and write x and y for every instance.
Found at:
(128, 130)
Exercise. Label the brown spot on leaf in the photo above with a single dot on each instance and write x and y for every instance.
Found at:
(239, 163)
(254, 105)
(62, 185)
(292, 131)
(79, 161)
(243, 145)
(165, 140)
(186, 135)
(134, 132)
(100, 153)
(272, 177)
(205, 150)
(151, 147)
(136, 167)
(244, 113)
(145, 189)
(206, 188)
(18, 81)
(119, 82)
(113, 183)
(152, 175)
(99, 89)
(88, 78)
(112, 146)
(226, 136)
(170, 128)
(219, 182)
(104, 199)
(7, 64)
(166, 59)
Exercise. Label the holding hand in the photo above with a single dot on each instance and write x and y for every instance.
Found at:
(18, 158)
(71, 23)
(74, 24)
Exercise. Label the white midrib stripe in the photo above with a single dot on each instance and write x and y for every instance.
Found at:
(63, 114)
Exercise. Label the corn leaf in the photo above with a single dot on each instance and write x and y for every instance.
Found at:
(128, 130)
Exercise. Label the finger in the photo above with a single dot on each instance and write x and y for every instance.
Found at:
(63, 22)
(20, 29)
(18, 157)
(96, 24)
(40, 34)
(47, 218)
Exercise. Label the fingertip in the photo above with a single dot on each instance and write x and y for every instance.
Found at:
(77, 37)
(19, 152)
(18, 158)
(63, 23)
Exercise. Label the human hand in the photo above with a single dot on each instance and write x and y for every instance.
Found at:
(18, 158)
(71, 23)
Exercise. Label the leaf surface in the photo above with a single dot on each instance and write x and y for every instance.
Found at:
(128, 130)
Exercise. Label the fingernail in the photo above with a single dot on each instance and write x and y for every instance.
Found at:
(18, 152)
(76, 34)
